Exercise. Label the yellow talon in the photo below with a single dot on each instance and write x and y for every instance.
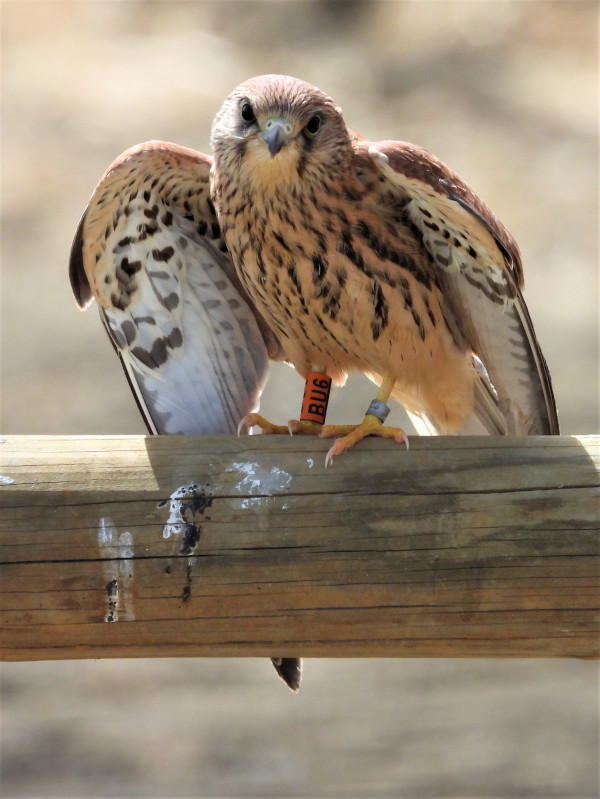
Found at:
(370, 426)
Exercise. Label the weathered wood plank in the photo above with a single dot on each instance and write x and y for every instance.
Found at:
(226, 546)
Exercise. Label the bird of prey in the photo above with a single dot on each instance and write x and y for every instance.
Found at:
(148, 249)
(304, 242)
(376, 257)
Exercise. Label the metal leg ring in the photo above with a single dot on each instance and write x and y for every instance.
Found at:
(378, 409)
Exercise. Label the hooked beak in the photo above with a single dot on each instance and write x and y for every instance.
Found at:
(276, 134)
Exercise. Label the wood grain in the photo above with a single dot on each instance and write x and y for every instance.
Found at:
(459, 547)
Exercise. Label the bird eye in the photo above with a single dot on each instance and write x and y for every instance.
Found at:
(247, 112)
(313, 125)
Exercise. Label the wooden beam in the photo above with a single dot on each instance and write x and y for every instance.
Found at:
(194, 546)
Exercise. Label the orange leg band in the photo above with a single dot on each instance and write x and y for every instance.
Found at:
(316, 397)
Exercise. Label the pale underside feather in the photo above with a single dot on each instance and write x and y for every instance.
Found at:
(215, 377)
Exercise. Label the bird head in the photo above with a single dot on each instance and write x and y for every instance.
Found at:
(276, 129)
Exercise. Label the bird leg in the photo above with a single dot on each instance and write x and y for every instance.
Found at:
(371, 425)
(312, 414)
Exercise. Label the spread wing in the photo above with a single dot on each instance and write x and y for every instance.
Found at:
(148, 250)
(480, 274)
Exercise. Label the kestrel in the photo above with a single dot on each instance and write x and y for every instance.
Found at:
(376, 257)
(312, 245)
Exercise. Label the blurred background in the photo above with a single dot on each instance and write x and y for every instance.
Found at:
(506, 94)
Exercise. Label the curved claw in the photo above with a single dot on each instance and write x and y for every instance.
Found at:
(245, 422)
(402, 438)
(370, 426)
(331, 452)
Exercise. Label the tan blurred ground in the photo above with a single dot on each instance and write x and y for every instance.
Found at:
(505, 93)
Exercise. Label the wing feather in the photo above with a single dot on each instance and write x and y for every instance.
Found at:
(481, 276)
(148, 250)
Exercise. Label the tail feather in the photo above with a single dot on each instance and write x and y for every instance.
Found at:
(290, 671)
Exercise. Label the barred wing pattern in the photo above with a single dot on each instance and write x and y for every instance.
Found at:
(148, 250)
